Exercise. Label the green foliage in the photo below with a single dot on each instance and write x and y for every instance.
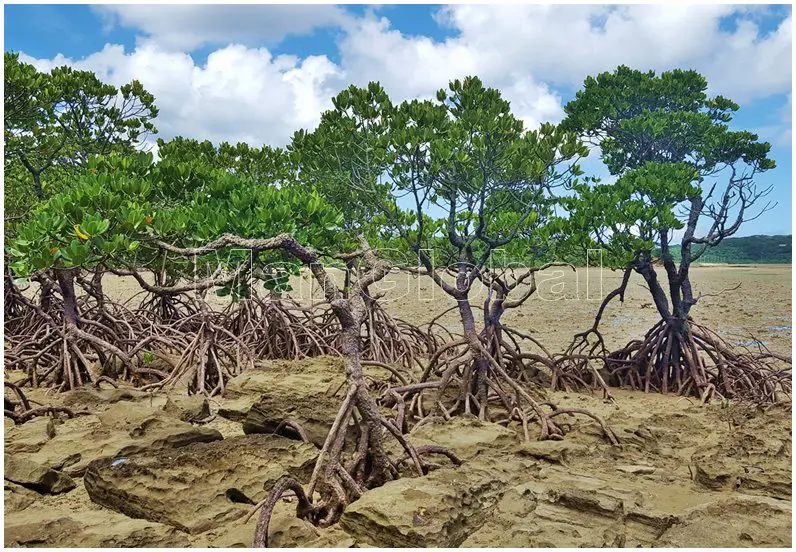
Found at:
(668, 144)
(346, 157)
(54, 122)
(264, 165)
(640, 117)
(464, 156)
(120, 208)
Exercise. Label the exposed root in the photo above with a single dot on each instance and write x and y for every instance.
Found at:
(685, 358)
(278, 328)
(167, 308)
(209, 360)
(341, 476)
(60, 354)
(394, 341)
(488, 379)
(385, 338)
(579, 362)
(20, 410)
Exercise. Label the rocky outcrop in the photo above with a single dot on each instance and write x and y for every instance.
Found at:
(201, 486)
(34, 476)
(745, 462)
(29, 437)
(87, 529)
(733, 522)
(301, 392)
(123, 429)
(557, 452)
(16, 497)
(465, 435)
(438, 511)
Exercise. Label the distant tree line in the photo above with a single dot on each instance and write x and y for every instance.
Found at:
(749, 249)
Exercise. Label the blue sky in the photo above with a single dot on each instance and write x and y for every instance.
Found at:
(257, 73)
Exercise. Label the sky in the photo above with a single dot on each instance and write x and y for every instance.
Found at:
(257, 73)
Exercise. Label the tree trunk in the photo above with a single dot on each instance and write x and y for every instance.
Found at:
(647, 271)
(66, 281)
(37, 189)
(365, 403)
(478, 387)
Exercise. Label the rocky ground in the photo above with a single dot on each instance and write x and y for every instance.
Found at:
(137, 472)
(147, 470)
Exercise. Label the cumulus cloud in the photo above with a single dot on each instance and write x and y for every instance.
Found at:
(249, 94)
(240, 94)
(564, 44)
(187, 27)
(417, 66)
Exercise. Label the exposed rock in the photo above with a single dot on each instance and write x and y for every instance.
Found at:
(187, 407)
(236, 410)
(30, 436)
(637, 470)
(558, 452)
(87, 529)
(465, 435)
(322, 374)
(439, 510)
(285, 531)
(92, 398)
(739, 521)
(720, 473)
(16, 497)
(201, 486)
(35, 476)
(123, 429)
(315, 414)
(302, 394)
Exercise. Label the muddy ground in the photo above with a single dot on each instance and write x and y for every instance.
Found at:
(138, 471)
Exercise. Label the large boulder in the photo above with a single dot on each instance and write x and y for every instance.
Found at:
(438, 511)
(301, 392)
(201, 486)
(35, 476)
(123, 429)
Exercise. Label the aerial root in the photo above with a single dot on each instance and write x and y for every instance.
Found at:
(682, 357)
(304, 508)
(279, 328)
(576, 365)
(333, 486)
(453, 375)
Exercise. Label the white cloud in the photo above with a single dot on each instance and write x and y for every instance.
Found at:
(564, 44)
(780, 131)
(248, 94)
(186, 27)
(240, 94)
(416, 67)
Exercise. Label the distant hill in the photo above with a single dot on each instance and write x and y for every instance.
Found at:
(748, 250)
